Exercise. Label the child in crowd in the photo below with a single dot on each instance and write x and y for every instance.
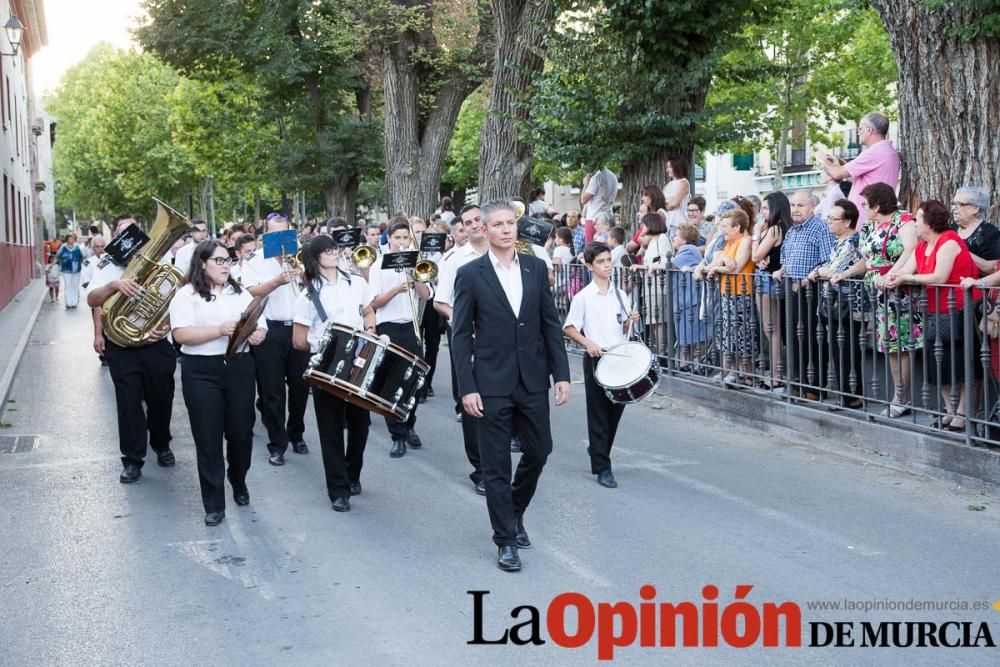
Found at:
(602, 225)
(52, 275)
(563, 254)
(616, 241)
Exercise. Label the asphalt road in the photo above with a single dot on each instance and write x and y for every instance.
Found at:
(93, 572)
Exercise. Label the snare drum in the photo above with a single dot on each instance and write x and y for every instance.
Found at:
(368, 371)
(629, 376)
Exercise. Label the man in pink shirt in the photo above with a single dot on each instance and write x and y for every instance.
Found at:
(878, 163)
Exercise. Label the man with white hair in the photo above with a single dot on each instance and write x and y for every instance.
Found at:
(878, 163)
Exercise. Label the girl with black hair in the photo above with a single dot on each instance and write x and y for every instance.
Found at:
(218, 392)
(342, 299)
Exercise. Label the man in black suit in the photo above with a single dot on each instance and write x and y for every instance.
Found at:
(508, 341)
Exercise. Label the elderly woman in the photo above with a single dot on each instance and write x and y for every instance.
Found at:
(887, 241)
(941, 258)
(734, 266)
(836, 303)
(691, 330)
(969, 207)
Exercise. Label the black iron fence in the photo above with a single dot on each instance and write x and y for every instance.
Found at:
(925, 358)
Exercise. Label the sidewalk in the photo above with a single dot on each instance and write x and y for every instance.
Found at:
(16, 323)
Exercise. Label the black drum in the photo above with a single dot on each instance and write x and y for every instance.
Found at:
(368, 371)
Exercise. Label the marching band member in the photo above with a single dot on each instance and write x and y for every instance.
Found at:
(595, 322)
(476, 247)
(140, 375)
(332, 295)
(182, 260)
(218, 392)
(245, 249)
(279, 365)
(387, 294)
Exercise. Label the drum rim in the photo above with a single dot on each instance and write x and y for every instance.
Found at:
(652, 363)
(381, 406)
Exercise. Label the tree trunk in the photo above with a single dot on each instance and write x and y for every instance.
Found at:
(949, 102)
(415, 146)
(340, 195)
(256, 207)
(637, 174)
(782, 152)
(504, 160)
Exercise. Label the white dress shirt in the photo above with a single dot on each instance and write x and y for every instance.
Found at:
(381, 281)
(190, 309)
(182, 260)
(595, 314)
(510, 280)
(104, 275)
(343, 302)
(452, 262)
(281, 302)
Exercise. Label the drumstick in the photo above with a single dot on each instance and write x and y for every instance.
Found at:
(613, 354)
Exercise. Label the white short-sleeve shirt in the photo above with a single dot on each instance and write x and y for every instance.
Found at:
(381, 281)
(182, 260)
(281, 302)
(190, 309)
(458, 258)
(595, 315)
(343, 302)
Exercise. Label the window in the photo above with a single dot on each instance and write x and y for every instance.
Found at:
(6, 210)
(743, 162)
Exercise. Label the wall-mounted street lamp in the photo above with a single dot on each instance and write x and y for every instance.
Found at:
(15, 30)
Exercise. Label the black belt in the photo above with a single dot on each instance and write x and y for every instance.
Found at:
(280, 323)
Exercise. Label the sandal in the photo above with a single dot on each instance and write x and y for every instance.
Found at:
(942, 421)
(896, 410)
(955, 426)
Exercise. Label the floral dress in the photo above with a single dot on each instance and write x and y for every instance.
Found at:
(899, 324)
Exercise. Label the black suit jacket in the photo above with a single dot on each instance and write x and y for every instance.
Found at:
(492, 347)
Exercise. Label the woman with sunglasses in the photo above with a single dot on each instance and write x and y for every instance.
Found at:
(218, 392)
(331, 295)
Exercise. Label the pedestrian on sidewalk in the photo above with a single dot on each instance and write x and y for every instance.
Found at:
(70, 258)
(52, 276)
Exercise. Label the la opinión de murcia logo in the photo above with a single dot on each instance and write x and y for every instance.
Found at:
(572, 620)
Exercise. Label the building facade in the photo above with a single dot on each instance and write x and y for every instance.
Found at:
(19, 235)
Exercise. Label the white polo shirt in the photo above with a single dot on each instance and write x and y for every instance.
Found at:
(281, 302)
(381, 281)
(595, 315)
(452, 262)
(190, 309)
(343, 302)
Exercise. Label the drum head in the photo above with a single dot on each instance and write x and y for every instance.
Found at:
(623, 370)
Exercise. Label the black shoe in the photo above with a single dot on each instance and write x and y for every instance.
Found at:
(421, 398)
(515, 445)
(606, 479)
(131, 474)
(341, 504)
(276, 458)
(508, 560)
(300, 447)
(241, 496)
(413, 440)
(398, 449)
(214, 518)
(481, 487)
(458, 417)
(430, 392)
(356, 489)
(165, 458)
(520, 534)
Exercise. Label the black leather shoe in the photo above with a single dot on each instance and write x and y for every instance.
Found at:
(606, 479)
(341, 504)
(430, 392)
(276, 458)
(520, 534)
(421, 398)
(300, 447)
(165, 458)
(413, 440)
(481, 487)
(214, 518)
(398, 449)
(130, 474)
(356, 489)
(515, 445)
(241, 496)
(508, 560)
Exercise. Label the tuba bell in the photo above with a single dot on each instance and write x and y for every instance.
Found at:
(129, 321)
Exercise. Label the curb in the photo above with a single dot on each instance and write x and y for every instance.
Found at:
(7, 379)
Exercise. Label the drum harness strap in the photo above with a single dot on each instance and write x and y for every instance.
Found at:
(313, 295)
(623, 317)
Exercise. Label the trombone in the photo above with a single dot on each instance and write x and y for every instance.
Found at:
(292, 263)
(425, 271)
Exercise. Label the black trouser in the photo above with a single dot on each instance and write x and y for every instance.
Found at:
(470, 425)
(342, 468)
(430, 329)
(528, 412)
(280, 366)
(219, 397)
(454, 380)
(401, 334)
(602, 419)
(142, 374)
(807, 367)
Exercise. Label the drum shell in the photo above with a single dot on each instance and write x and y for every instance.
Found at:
(635, 389)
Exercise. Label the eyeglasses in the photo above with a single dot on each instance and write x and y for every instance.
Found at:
(830, 218)
(222, 261)
(962, 203)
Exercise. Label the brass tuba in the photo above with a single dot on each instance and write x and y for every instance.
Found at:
(129, 321)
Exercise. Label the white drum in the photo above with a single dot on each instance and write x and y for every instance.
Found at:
(629, 373)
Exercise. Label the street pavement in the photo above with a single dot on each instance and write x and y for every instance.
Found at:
(93, 572)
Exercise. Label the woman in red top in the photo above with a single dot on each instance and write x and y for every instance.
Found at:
(941, 258)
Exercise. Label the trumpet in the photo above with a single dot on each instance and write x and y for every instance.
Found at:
(292, 263)
(363, 256)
